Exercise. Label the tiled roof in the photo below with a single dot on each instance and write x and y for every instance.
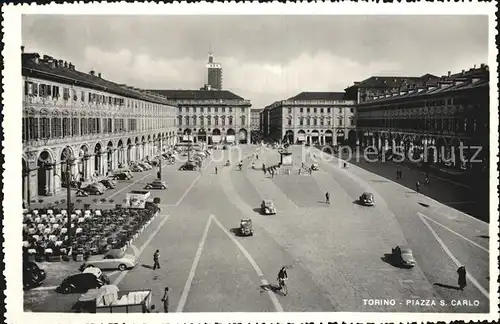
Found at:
(72, 76)
(433, 90)
(305, 96)
(394, 81)
(197, 94)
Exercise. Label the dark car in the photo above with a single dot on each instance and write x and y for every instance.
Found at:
(156, 184)
(403, 256)
(123, 176)
(246, 227)
(93, 189)
(188, 166)
(108, 183)
(80, 283)
(367, 199)
(32, 275)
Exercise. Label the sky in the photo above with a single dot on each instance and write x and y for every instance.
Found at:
(264, 58)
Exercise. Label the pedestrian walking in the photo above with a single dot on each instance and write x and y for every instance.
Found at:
(327, 196)
(462, 277)
(158, 174)
(156, 260)
(310, 171)
(216, 170)
(165, 300)
(417, 185)
(300, 171)
(257, 156)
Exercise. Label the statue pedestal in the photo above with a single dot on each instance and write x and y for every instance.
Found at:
(286, 158)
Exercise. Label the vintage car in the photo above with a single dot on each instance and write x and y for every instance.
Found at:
(367, 199)
(156, 184)
(314, 167)
(94, 189)
(144, 165)
(267, 207)
(188, 166)
(123, 176)
(32, 275)
(80, 283)
(246, 227)
(403, 256)
(108, 183)
(114, 259)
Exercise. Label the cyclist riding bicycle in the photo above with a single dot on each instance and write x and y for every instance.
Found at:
(282, 276)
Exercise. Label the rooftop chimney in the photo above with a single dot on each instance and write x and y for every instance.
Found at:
(99, 74)
(65, 64)
(61, 63)
(449, 74)
(483, 65)
(22, 49)
(92, 72)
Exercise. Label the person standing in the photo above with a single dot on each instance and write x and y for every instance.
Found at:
(462, 277)
(417, 185)
(216, 170)
(158, 175)
(156, 260)
(327, 196)
(165, 300)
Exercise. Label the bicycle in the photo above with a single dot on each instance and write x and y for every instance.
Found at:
(282, 285)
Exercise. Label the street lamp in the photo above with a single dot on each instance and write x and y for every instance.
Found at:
(69, 162)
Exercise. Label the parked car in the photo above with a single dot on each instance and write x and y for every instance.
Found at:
(122, 176)
(403, 256)
(246, 227)
(145, 165)
(156, 184)
(33, 276)
(267, 207)
(98, 274)
(79, 283)
(314, 167)
(367, 199)
(108, 183)
(136, 168)
(93, 189)
(114, 259)
(188, 166)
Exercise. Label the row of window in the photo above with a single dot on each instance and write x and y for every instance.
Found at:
(192, 121)
(457, 101)
(321, 110)
(321, 122)
(457, 125)
(41, 90)
(209, 109)
(35, 128)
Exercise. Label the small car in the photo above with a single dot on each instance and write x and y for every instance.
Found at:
(108, 183)
(267, 207)
(33, 276)
(93, 189)
(188, 166)
(246, 227)
(367, 199)
(144, 166)
(314, 167)
(98, 274)
(403, 256)
(79, 283)
(136, 168)
(156, 184)
(122, 176)
(114, 259)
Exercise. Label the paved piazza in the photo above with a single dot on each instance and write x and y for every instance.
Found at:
(335, 253)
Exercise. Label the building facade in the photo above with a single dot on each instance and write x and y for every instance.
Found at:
(431, 120)
(310, 117)
(214, 74)
(255, 119)
(96, 124)
(210, 116)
